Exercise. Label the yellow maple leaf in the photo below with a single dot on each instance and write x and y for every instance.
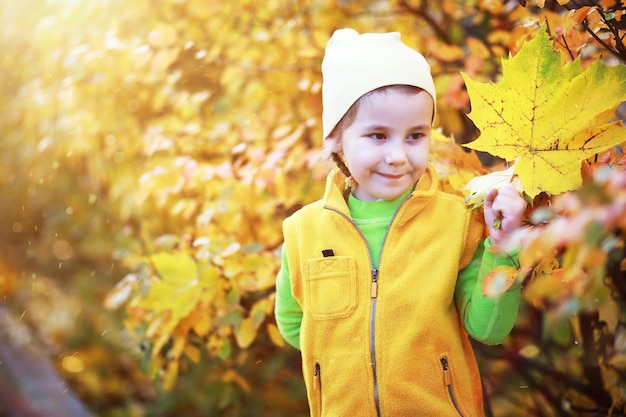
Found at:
(548, 116)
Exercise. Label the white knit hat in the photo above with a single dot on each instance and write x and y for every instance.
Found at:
(355, 64)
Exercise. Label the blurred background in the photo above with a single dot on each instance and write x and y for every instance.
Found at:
(149, 151)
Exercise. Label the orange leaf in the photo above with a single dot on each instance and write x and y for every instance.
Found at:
(555, 286)
(445, 52)
(499, 280)
(478, 48)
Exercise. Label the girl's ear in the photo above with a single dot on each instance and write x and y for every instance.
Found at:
(333, 144)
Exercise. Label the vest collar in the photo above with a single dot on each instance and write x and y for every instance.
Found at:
(425, 189)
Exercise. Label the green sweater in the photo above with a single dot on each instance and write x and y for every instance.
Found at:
(373, 218)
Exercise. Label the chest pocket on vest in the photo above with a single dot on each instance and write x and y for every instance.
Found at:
(330, 287)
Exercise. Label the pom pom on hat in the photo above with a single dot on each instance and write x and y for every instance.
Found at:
(355, 64)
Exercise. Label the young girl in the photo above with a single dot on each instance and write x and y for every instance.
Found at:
(381, 279)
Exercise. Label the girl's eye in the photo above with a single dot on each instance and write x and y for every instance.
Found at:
(377, 136)
(416, 136)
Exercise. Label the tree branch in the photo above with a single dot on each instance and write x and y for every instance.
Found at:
(589, 321)
(422, 13)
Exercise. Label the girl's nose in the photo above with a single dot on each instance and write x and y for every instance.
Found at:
(395, 153)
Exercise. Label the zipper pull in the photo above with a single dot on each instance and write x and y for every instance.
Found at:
(316, 376)
(374, 291)
(446, 370)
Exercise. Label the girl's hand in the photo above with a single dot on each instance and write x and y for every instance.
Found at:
(504, 210)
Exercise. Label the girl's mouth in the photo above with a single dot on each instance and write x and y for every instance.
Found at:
(391, 176)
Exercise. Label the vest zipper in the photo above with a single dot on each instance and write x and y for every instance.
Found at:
(373, 292)
(448, 381)
(316, 377)
(373, 338)
(317, 386)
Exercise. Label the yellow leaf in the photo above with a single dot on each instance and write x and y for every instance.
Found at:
(231, 376)
(274, 334)
(163, 59)
(158, 344)
(73, 364)
(171, 373)
(192, 353)
(118, 295)
(259, 310)
(202, 326)
(175, 268)
(178, 347)
(546, 266)
(231, 249)
(546, 115)
(163, 36)
(180, 287)
(529, 351)
(245, 334)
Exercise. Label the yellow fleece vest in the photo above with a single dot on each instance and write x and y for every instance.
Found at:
(402, 317)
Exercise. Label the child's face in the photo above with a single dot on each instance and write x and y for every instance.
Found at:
(386, 146)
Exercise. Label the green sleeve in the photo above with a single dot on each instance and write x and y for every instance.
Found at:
(288, 311)
(487, 319)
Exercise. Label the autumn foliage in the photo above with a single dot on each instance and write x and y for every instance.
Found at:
(168, 140)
